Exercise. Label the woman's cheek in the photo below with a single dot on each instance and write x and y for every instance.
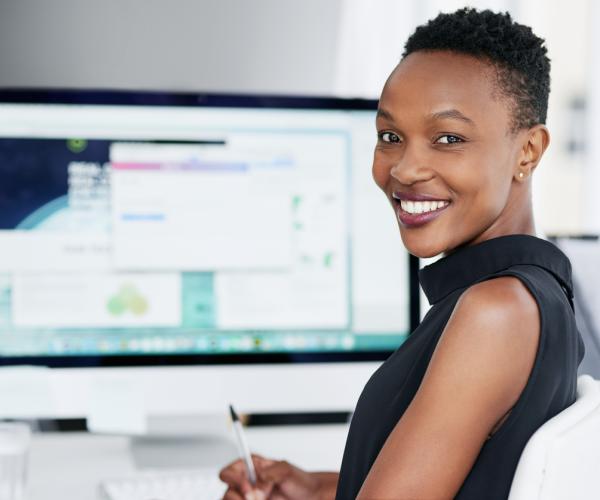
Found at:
(381, 174)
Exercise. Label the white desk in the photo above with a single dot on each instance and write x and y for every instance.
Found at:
(69, 466)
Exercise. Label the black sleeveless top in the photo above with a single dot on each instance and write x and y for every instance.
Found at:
(551, 386)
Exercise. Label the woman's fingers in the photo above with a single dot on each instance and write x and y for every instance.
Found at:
(255, 494)
(232, 472)
(232, 494)
(276, 472)
(236, 477)
(261, 461)
(237, 464)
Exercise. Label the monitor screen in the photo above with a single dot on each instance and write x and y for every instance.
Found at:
(141, 225)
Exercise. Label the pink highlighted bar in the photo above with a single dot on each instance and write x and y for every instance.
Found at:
(137, 166)
(194, 166)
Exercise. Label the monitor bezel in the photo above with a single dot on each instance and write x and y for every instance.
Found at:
(103, 97)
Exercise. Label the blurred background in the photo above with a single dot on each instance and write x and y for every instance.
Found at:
(313, 47)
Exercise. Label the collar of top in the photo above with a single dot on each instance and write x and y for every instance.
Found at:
(469, 264)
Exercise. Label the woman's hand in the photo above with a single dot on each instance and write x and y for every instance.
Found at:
(276, 480)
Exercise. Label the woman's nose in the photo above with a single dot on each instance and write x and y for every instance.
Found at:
(412, 167)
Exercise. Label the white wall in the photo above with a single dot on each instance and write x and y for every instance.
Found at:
(278, 46)
(559, 182)
(591, 171)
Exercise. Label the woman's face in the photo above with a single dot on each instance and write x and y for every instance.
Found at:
(444, 135)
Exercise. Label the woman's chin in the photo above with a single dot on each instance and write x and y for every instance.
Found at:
(424, 254)
(421, 246)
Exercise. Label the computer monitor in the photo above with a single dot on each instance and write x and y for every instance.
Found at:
(177, 251)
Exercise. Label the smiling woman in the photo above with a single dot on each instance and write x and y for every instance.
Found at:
(446, 130)
(460, 130)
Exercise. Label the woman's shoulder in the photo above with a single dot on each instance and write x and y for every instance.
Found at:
(495, 323)
(504, 304)
(504, 292)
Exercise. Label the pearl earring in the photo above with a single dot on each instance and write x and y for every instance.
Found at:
(520, 175)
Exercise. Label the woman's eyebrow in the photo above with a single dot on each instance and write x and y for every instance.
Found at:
(453, 114)
(382, 113)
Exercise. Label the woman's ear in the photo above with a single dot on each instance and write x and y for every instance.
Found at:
(535, 142)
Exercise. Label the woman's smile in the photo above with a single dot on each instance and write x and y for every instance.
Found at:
(417, 209)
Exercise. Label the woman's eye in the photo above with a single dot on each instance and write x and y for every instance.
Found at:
(448, 139)
(389, 137)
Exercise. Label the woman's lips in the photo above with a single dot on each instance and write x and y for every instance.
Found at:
(417, 219)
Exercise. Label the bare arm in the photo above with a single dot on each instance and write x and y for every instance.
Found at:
(479, 368)
(328, 481)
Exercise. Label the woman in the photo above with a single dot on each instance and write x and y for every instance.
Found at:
(460, 130)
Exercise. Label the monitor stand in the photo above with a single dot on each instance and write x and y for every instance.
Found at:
(184, 442)
(181, 452)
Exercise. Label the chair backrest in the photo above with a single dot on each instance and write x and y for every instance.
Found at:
(584, 255)
(562, 458)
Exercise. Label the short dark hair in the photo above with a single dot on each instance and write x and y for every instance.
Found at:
(518, 55)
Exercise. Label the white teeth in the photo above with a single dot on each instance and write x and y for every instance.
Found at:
(419, 207)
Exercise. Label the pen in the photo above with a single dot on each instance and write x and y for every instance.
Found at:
(243, 446)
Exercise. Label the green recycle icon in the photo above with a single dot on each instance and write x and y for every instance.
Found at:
(128, 298)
